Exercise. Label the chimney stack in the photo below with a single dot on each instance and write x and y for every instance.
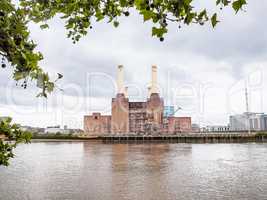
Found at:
(149, 91)
(120, 80)
(154, 84)
(126, 92)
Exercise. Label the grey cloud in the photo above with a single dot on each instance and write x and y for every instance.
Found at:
(237, 39)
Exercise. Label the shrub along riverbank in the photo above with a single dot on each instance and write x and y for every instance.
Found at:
(262, 133)
(57, 136)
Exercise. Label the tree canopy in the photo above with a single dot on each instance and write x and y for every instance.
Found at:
(17, 50)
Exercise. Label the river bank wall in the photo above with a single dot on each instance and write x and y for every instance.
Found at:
(190, 138)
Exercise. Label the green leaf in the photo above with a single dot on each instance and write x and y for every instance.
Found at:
(18, 75)
(226, 2)
(99, 16)
(44, 26)
(159, 32)
(123, 3)
(116, 23)
(202, 14)
(238, 4)
(214, 20)
(147, 14)
(187, 2)
(189, 17)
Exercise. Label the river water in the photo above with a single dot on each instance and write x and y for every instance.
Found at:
(96, 171)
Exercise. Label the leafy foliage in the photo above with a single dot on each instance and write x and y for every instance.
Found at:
(17, 49)
(55, 136)
(14, 136)
(80, 15)
(261, 134)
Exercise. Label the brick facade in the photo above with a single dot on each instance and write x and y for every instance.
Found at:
(136, 117)
(120, 114)
(97, 124)
(178, 125)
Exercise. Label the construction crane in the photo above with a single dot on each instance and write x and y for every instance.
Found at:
(247, 107)
(179, 108)
(173, 113)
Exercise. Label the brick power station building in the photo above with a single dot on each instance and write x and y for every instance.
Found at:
(136, 117)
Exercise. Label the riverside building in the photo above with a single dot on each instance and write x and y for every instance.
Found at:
(248, 120)
(136, 117)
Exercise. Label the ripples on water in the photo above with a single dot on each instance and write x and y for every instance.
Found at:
(88, 170)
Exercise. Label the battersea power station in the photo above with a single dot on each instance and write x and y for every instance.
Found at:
(140, 118)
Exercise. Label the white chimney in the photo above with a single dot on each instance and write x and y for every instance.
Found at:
(154, 84)
(120, 80)
(126, 91)
(149, 91)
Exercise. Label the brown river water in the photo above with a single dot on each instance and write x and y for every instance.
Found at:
(96, 171)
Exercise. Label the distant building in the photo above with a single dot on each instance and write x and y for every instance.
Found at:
(33, 129)
(246, 121)
(217, 128)
(57, 129)
(238, 122)
(137, 117)
(195, 128)
(53, 129)
(258, 122)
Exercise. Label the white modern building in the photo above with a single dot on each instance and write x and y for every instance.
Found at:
(217, 128)
(214, 128)
(65, 130)
(53, 129)
(56, 129)
(258, 122)
(248, 121)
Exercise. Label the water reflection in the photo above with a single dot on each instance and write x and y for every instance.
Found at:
(88, 170)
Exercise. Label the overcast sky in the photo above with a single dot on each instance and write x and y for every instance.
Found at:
(200, 69)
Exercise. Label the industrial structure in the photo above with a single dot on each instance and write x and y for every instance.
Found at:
(137, 117)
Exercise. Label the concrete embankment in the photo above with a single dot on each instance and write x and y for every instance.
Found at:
(190, 138)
